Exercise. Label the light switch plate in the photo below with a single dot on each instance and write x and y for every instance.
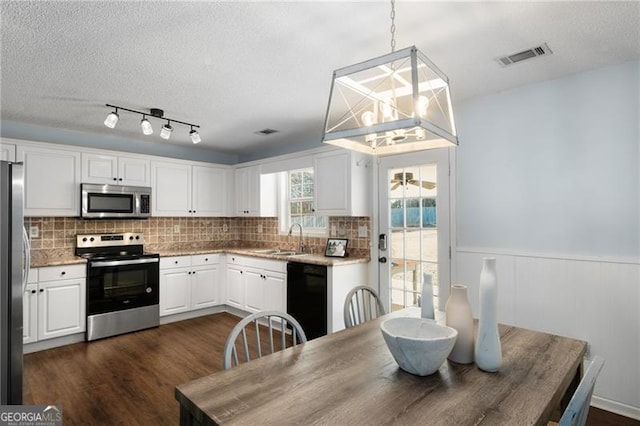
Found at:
(176, 229)
(362, 231)
(225, 227)
(34, 231)
(260, 228)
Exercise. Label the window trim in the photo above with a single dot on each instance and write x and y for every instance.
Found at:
(284, 215)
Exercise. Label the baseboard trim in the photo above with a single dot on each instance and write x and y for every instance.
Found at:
(42, 345)
(616, 407)
(192, 314)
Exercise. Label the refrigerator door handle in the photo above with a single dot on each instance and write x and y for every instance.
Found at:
(26, 247)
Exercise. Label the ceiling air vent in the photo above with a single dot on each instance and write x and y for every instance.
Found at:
(534, 52)
(266, 132)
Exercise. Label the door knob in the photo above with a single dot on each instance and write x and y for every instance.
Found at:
(382, 259)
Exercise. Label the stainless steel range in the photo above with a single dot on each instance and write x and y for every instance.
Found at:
(122, 284)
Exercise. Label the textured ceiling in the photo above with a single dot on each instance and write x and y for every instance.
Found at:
(238, 67)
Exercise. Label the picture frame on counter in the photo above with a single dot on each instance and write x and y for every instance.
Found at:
(336, 247)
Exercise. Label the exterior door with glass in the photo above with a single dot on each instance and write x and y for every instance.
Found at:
(414, 215)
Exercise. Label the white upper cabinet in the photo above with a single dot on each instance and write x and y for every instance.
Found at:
(255, 194)
(7, 151)
(342, 183)
(185, 190)
(110, 169)
(209, 192)
(52, 181)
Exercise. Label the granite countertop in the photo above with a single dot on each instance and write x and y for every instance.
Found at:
(57, 257)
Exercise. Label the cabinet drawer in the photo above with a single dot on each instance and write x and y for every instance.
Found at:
(204, 259)
(175, 262)
(53, 273)
(32, 278)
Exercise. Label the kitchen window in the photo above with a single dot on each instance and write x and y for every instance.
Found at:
(297, 203)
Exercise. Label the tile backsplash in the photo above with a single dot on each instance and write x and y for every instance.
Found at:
(178, 233)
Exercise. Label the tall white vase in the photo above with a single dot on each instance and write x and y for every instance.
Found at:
(488, 351)
(458, 313)
(426, 298)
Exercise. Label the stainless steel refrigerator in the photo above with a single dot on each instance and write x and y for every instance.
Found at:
(14, 267)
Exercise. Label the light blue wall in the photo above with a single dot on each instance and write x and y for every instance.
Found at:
(553, 167)
(10, 129)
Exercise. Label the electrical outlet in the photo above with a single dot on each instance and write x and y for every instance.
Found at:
(362, 231)
(225, 227)
(34, 231)
(176, 229)
(260, 228)
(334, 231)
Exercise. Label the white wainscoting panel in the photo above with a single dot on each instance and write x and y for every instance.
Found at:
(588, 299)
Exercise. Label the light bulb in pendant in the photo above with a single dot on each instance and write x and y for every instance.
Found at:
(387, 111)
(423, 105)
(368, 118)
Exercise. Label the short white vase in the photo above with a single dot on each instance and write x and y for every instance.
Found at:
(459, 316)
(426, 297)
(488, 351)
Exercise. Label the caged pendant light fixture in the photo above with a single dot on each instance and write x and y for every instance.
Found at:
(396, 103)
(145, 124)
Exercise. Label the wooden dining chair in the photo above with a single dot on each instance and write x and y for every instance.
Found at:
(576, 412)
(361, 305)
(264, 328)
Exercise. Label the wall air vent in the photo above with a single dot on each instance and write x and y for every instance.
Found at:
(534, 52)
(266, 132)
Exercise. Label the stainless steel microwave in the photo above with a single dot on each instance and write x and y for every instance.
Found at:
(114, 201)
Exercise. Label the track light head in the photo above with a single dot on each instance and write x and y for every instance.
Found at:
(112, 119)
(146, 126)
(165, 133)
(195, 136)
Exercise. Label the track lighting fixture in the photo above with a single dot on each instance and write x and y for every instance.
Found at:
(195, 136)
(165, 133)
(145, 125)
(112, 119)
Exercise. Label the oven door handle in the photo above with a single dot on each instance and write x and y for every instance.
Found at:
(105, 263)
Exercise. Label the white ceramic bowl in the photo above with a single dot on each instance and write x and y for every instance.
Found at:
(419, 345)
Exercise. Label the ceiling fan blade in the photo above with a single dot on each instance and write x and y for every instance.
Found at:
(428, 185)
(395, 186)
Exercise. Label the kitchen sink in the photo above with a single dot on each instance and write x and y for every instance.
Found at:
(266, 251)
(279, 252)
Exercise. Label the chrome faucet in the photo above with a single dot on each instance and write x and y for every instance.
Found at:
(300, 243)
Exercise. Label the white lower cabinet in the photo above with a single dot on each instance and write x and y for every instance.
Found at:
(188, 283)
(54, 302)
(255, 285)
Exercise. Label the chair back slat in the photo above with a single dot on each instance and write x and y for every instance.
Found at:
(362, 304)
(258, 341)
(239, 332)
(576, 412)
(245, 345)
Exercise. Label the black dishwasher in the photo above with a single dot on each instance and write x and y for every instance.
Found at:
(307, 297)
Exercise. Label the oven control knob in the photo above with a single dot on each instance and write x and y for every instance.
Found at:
(131, 237)
(149, 289)
(84, 240)
(91, 239)
(137, 237)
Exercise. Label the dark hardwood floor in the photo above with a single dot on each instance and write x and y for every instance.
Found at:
(130, 379)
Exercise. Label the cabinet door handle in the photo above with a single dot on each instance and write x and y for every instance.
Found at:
(33, 292)
(62, 273)
(114, 179)
(41, 290)
(176, 262)
(120, 179)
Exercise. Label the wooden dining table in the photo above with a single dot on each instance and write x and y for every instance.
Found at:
(351, 378)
